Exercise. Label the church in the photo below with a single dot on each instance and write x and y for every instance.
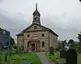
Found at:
(36, 37)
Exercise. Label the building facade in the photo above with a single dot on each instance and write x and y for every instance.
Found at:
(36, 37)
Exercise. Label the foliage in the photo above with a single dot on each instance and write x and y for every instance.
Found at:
(72, 44)
(15, 47)
(63, 44)
(79, 44)
(12, 42)
(79, 37)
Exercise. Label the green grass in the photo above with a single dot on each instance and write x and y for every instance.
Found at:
(79, 58)
(56, 56)
(24, 57)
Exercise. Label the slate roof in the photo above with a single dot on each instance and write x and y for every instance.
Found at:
(47, 29)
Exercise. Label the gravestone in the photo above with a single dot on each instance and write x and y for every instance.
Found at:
(71, 57)
(62, 54)
(51, 51)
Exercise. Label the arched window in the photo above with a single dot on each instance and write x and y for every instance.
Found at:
(28, 44)
(43, 44)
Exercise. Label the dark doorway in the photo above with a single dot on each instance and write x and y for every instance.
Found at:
(33, 47)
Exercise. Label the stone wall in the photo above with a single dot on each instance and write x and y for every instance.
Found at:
(53, 40)
(38, 36)
(49, 39)
(20, 42)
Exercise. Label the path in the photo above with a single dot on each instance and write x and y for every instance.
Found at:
(43, 58)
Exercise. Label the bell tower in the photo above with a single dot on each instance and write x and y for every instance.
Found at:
(36, 16)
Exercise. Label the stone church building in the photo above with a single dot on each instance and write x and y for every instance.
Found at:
(36, 37)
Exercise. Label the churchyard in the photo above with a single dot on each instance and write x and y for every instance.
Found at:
(57, 59)
(21, 58)
(61, 55)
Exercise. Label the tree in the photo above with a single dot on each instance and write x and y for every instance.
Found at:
(12, 42)
(63, 44)
(79, 45)
(71, 43)
(79, 38)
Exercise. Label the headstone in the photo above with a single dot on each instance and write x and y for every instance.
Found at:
(62, 54)
(51, 51)
(71, 57)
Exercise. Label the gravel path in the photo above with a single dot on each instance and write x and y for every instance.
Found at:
(44, 59)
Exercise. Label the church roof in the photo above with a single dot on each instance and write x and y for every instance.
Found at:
(47, 29)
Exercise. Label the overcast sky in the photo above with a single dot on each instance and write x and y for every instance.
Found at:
(62, 16)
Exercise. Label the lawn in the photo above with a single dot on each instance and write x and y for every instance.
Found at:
(79, 58)
(24, 57)
(56, 56)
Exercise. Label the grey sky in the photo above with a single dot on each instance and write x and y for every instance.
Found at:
(62, 16)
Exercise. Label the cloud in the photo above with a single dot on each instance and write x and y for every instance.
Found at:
(67, 28)
(63, 17)
(16, 23)
(12, 23)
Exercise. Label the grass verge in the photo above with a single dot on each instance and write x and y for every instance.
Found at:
(24, 57)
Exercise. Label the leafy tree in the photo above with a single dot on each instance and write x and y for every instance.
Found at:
(72, 44)
(12, 42)
(79, 45)
(15, 46)
(79, 38)
(63, 44)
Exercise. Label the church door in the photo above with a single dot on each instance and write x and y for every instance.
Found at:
(33, 47)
